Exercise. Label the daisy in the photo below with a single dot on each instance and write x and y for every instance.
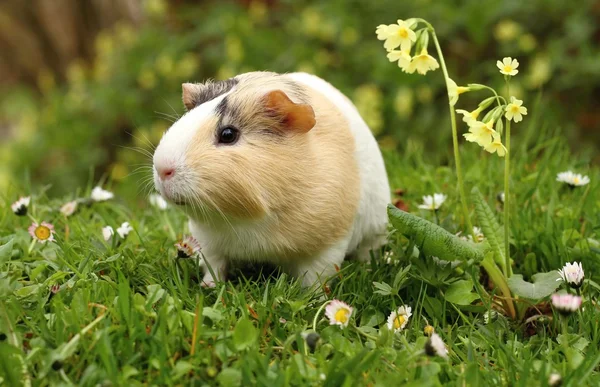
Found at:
(187, 247)
(572, 274)
(43, 232)
(479, 237)
(555, 380)
(20, 206)
(469, 117)
(338, 313)
(433, 202)
(107, 233)
(435, 347)
(157, 201)
(397, 35)
(398, 319)
(508, 66)
(515, 110)
(100, 195)
(566, 303)
(496, 146)
(423, 63)
(490, 315)
(428, 330)
(573, 179)
(124, 230)
(454, 91)
(500, 197)
(69, 208)
(481, 133)
(402, 57)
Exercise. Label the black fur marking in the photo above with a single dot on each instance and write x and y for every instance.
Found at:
(211, 90)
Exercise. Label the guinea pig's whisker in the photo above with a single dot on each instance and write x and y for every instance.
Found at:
(144, 139)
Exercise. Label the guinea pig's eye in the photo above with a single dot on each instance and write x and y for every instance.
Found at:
(228, 135)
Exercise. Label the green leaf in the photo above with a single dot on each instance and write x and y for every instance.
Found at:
(383, 288)
(544, 284)
(494, 233)
(230, 377)
(6, 251)
(433, 239)
(460, 293)
(244, 334)
(371, 317)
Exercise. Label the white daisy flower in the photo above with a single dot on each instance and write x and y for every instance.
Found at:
(555, 380)
(572, 274)
(501, 197)
(338, 313)
(42, 232)
(572, 179)
(566, 303)
(479, 237)
(69, 208)
(20, 206)
(124, 230)
(433, 202)
(187, 247)
(107, 233)
(397, 320)
(157, 201)
(100, 195)
(435, 347)
(489, 316)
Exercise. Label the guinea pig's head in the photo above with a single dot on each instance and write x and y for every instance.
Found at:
(238, 147)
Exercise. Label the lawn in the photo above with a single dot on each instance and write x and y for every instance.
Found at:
(83, 310)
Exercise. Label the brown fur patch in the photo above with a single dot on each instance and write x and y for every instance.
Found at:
(300, 190)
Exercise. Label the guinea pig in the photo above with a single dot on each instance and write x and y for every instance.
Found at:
(277, 168)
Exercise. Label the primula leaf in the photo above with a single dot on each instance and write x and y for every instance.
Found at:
(6, 251)
(544, 284)
(494, 234)
(460, 293)
(433, 239)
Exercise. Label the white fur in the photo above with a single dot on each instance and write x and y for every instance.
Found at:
(369, 229)
(171, 151)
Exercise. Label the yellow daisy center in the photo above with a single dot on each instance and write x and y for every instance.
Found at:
(341, 315)
(576, 180)
(403, 33)
(508, 68)
(42, 233)
(398, 321)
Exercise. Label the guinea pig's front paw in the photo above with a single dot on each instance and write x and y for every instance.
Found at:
(208, 284)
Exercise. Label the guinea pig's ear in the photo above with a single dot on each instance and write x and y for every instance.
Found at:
(189, 93)
(295, 116)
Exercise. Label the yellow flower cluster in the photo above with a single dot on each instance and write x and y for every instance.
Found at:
(483, 132)
(403, 35)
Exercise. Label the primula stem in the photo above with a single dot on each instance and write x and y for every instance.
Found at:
(507, 266)
(500, 281)
(459, 175)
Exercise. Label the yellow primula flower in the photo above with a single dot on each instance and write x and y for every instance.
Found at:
(454, 91)
(496, 146)
(508, 66)
(515, 110)
(396, 35)
(481, 133)
(423, 63)
(469, 117)
(403, 58)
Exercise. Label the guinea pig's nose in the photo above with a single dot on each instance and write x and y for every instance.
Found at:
(165, 173)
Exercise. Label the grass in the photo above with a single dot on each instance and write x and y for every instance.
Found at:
(129, 313)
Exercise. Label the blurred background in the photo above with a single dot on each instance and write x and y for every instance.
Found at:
(83, 83)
